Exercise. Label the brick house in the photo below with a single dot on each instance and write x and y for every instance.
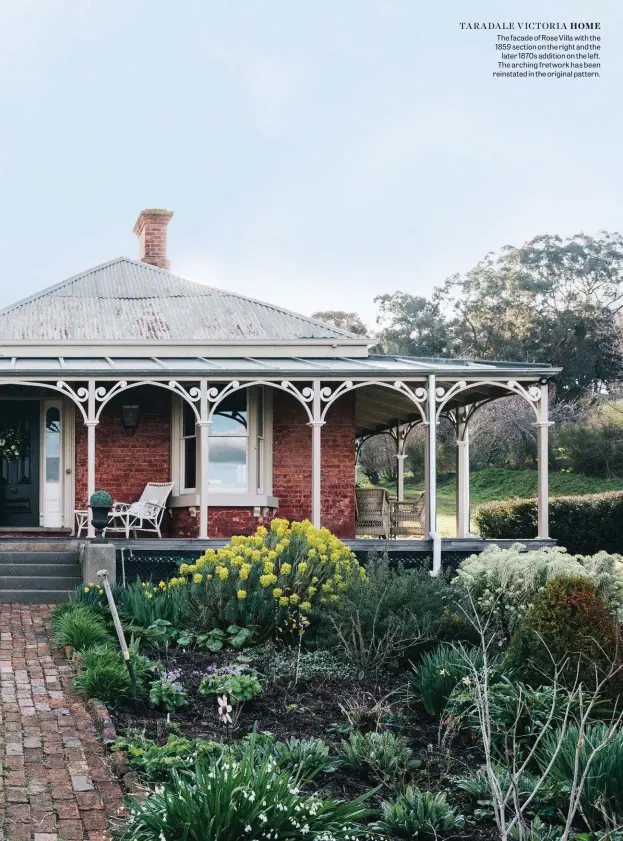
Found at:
(127, 373)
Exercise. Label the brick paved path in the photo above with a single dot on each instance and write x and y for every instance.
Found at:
(55, 781)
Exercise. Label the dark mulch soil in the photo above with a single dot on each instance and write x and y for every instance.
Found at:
(312, 709)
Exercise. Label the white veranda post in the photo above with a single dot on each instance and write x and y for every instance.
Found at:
(462, 473)
(204, 455)
(91, 423)
(316, 425)
(431, 473)
(543, 424)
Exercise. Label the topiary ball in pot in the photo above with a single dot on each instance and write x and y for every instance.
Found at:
(100, 504)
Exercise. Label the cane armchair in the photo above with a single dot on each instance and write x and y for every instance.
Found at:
(407, 518)
(372, 512)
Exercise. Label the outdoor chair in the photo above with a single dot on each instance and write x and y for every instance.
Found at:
(372, 512)
(144, 515)
(407, 518)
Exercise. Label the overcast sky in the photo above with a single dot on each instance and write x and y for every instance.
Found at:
(316, 153)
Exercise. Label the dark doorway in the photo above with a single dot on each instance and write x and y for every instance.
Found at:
(19, 486)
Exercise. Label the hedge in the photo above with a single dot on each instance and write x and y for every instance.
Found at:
(582, 524)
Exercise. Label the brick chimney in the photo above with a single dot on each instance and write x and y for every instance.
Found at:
(151, 230)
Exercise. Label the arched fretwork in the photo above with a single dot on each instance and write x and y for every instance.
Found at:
(78, 396)
(532, 394)
(103, 396)
(417, 395)
(304, 395)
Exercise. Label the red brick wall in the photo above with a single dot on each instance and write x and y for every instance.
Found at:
(292, 463)
(125, 463)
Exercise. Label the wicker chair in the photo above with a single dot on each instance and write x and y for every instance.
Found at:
(372, 513)
(407, 518)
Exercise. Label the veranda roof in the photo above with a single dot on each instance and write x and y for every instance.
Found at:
(376, 406)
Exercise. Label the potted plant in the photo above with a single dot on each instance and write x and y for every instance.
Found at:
(100, 505)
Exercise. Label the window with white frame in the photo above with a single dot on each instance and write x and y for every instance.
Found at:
(238, 449)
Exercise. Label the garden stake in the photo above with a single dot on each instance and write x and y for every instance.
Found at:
(103, 575)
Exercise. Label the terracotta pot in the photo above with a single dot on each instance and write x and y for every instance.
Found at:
(69, 652)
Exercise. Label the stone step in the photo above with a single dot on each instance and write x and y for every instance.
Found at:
(36, 570)
(39, 545)
(33, 596)
(28, 582)
(39, 557)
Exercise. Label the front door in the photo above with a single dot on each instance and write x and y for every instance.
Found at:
(19, 486)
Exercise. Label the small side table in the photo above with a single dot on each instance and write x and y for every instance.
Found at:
(82, 521)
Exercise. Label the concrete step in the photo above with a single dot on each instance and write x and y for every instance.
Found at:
(36, 570)
(28, 582)
(33, 596)
(39, 557)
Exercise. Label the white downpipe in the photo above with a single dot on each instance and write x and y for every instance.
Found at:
(204, 458)
(462, 479)
(316, 425)
(431, 450)
(543, 425)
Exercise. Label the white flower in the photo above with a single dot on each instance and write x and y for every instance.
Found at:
(224, 709)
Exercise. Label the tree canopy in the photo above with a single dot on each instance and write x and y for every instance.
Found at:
(343, 320)
(551, 300)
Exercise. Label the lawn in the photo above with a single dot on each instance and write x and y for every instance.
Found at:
(495, 483)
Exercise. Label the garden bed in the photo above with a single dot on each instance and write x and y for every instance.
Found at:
(310, 709)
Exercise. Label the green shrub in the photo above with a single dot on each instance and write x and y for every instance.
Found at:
(503, 583)
(418, 814)
(238, 682)
(583, 524)
(478, 787)
(385, 618)
(518, 713)
(156, 762)
(308, 757)
(439, 672)
(269, 581)
(81, 627)
(108, 681)
(568, 627)
(231, 800)
(382, 757)
(602, 795)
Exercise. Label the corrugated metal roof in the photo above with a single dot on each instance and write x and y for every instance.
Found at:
(243, 367)
(125, 300)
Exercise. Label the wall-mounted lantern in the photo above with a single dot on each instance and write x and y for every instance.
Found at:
(130, 416)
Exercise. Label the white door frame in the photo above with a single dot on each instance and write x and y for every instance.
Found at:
(66, 491)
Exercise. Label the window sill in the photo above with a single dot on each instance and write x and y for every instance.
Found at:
(226, 500)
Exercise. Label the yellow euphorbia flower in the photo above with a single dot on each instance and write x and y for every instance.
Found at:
(222, 572)
(294, 599)
(267, 580)
(277, 592)
(306, 606)
(302, 567)
(283, 601)
(286, 569)
(197, 578)
(242, 594)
